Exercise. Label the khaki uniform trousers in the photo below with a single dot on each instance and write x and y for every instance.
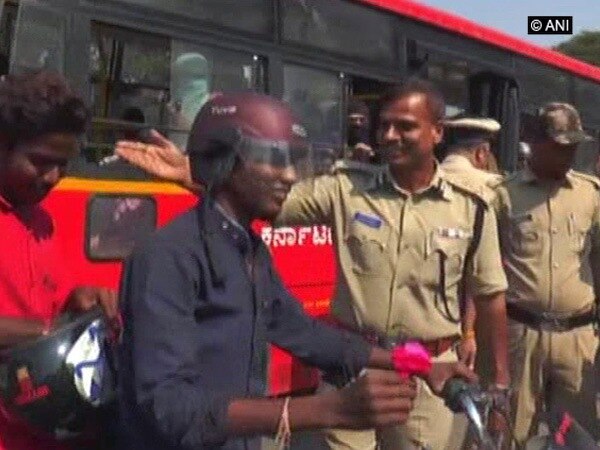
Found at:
(430, 426)
(557, 369)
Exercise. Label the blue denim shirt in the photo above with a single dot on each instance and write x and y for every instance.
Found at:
(196, 330)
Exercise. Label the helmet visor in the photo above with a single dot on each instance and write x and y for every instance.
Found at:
(278, 153)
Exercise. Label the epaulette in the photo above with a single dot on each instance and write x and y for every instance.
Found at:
(585, 176)
(348, 165)
(494, 181)
(466, 184)
(360, 175)
(504, 179)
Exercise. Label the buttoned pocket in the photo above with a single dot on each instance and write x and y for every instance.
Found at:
(578, 230)
(525, 236)
(367, 246)
(451, 245)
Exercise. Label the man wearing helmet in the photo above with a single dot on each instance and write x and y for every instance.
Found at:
(201, 300)
(40, 121)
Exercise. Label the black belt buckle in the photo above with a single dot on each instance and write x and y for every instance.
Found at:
(552, 323)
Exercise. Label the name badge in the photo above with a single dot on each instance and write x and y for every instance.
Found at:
(368, 220)
(453, 233)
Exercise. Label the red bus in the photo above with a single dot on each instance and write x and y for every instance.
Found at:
(152, 63)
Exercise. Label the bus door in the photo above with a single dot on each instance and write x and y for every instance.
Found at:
(8, 18)
(495, 96)
(369, 91)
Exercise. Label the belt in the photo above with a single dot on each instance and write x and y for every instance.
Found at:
(435, 347)
(548, 321)
(438, 346)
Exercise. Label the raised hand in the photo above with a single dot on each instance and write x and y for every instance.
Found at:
(159, 157)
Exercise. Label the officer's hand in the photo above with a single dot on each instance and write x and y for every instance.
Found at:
(160, 157)
(442, 372)
(362, 152)
(497, 424)
(84, 298)
(376, 398)
(467, 351)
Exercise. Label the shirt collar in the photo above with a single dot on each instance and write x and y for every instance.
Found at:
(437, 186)
(234, 223)
(222, 223)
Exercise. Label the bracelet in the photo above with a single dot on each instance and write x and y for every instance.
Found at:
(468, 334)
(284, 432)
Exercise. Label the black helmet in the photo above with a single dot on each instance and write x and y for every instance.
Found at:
(233, 125)
(55, 382)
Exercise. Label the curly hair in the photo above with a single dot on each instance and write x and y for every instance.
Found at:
(34, 104)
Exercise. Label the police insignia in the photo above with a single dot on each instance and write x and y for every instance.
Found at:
(453, 233)
(368, 220)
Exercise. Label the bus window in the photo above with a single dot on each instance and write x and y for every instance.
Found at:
(8, 18)
(540, 84)
(340, 27)
(39, 40)
(316, 97)
(449, 73)
(588, 154)
(116, 222)
(197, 71)
(255, 16)
(587, 99)
(140, 80)
(368, 91)
(129, 72)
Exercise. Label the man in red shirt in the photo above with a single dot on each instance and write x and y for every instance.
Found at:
(41, 119)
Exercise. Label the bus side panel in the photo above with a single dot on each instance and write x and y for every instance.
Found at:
(286, 373)
(69, 211)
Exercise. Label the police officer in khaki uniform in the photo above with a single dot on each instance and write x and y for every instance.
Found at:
(469, 153)
(401, 241)
(469, 143)
(549, 222)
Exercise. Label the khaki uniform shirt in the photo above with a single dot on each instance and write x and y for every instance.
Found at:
(459, 164)
(550, 238)
(388, 246)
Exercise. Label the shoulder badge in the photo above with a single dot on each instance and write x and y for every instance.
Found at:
(587, 177)
(505, 179)
(347, 165)
(476, 189)
(495, 180)
(362, 175)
